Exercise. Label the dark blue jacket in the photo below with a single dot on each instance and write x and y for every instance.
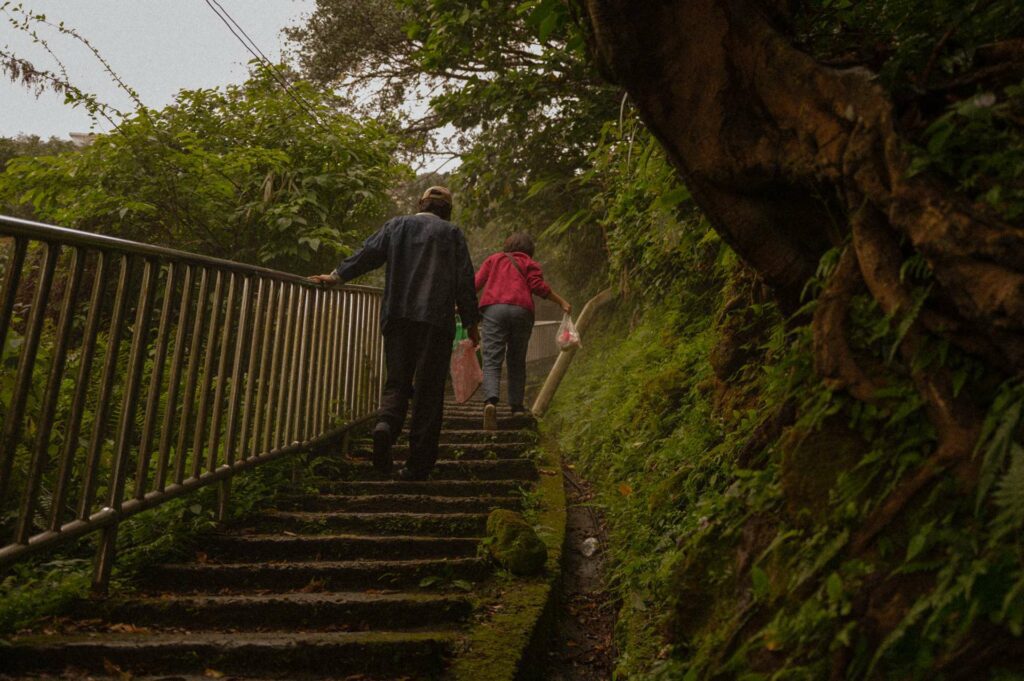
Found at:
(429, 272)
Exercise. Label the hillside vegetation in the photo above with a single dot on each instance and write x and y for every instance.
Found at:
(805, 413)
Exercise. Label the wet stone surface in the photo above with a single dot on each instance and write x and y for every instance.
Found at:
(583, 649)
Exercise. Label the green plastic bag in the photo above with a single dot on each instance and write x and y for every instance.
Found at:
(460, 334)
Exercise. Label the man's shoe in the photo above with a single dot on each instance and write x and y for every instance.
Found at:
(490, 417)
(382, 448)
(520, 410)
(407, 474)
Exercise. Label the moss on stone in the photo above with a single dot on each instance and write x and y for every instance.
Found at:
(514, 544)
(811, 463)
(510, 612)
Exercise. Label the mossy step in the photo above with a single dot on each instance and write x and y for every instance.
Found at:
(311, 575)
(442, 488)
(499, 469)
(280, 655)
(283, 612)
(399, 503)
(471, 420)
(481, 436)
(383, 524)
(273, 547)
(453, 452)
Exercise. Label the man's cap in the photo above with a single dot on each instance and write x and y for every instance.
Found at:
(438, 193)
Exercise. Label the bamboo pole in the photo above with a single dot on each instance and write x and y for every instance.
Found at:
(561, 366)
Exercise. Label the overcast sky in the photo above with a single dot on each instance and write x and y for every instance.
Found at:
(157, 46)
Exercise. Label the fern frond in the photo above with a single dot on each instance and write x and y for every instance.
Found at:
(1009, 494)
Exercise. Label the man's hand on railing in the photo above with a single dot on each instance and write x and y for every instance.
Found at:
(325, 279)
(474, 335)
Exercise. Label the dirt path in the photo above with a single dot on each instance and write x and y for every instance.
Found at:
(583, 649)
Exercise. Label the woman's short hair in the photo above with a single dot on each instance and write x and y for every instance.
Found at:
(520, 242)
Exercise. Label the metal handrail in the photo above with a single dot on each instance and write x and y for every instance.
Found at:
(542, 341)
(238, 364)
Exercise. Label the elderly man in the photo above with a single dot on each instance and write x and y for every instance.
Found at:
(429, 274)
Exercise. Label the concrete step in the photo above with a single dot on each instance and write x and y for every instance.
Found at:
(474, 420)
(381, 524)
(279, 547)
(476, 435)
(282, 612)
(271, 655)
(500, 469)
(310, 576)
(440, 488)
(405, 503)
(452, 452)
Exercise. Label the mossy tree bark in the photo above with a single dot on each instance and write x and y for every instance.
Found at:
(789, 158)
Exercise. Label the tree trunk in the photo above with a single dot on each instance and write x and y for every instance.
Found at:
(780, 152)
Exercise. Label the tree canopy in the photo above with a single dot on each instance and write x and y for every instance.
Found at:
(241, 172)
(510, 92)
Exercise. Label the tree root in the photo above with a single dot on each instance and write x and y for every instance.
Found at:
(833, 358)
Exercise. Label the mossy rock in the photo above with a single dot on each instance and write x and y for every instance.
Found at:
(812, 462)
(514, 544)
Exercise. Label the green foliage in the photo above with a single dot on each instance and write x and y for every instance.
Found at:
(643, 213)
(979, 146)
(959, 98)
(912, 44)
(238, 172)
(29, 591)
(742, 567)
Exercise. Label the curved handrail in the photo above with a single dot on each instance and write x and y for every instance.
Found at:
(168, 372)
(17, 227)
(558, 371)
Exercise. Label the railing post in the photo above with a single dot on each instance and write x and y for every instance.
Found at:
(104, 561)
(223, 500)
(250, 377)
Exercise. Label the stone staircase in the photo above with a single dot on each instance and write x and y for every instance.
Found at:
(369, 579)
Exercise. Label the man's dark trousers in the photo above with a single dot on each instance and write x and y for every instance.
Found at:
(416, 354)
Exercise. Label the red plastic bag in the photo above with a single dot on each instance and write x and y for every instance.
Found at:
(568, 336)
(466, 372)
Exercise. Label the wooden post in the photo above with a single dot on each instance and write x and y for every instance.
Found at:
(558, 371)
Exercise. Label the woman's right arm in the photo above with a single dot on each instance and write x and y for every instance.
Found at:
(562, 302)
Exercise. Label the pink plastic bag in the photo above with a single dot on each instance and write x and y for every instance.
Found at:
(568, 336)
(466, 372)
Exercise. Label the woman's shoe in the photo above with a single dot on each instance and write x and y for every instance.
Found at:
(490, 417)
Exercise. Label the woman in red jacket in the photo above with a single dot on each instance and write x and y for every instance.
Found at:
(508, 281)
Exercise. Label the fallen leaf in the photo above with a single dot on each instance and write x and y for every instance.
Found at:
(213, 674)
(313, 586)
(625, 489)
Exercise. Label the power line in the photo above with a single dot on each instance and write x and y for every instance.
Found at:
(258, 54)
